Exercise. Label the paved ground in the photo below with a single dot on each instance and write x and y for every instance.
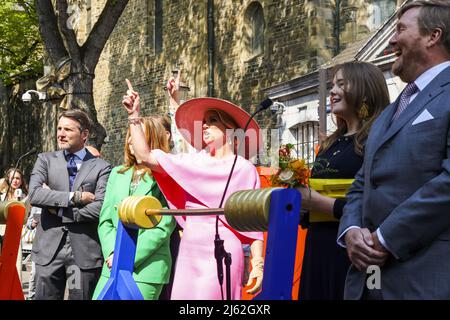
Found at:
(26, 269)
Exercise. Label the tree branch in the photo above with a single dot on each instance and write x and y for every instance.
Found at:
(68, 35)
(49, 30)
(28, 53)
(26, 6)
(101, 31)
(8, 50)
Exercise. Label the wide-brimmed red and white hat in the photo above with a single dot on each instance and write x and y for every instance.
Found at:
(189, 121)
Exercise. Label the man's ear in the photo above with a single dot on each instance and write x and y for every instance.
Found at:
(85, 135)
(435, 37)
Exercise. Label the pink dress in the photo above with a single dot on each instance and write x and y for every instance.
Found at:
(195, 181)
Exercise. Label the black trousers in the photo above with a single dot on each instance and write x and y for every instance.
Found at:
(52, 279)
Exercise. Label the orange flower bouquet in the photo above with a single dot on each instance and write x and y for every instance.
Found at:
(292, 172)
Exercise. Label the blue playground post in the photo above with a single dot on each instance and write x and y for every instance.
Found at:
(121, 285)
(284, 218)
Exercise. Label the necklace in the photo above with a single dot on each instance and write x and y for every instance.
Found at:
(137, 176)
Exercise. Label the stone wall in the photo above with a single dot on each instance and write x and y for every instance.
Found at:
(298, 37)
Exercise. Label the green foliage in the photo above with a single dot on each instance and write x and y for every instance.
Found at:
(21, 48)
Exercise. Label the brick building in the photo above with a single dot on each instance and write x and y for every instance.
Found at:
(304, 111)
(257, 44)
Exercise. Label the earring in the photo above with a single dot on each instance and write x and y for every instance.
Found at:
(363, 112)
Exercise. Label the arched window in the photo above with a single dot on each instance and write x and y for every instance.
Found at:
(374, 16)
(158, 40)
(254, 29)
(154, 32)
(378, 12)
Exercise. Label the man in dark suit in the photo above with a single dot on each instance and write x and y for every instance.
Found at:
(397, 217)
(69, 185)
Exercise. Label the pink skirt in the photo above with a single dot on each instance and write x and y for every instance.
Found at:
(196, 268)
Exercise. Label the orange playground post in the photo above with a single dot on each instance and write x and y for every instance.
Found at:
(13, 213)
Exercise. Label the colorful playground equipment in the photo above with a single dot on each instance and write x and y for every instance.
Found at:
(275, 210)
(13, 214)
(333, 188)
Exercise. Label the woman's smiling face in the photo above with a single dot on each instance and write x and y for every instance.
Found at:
(339, 105)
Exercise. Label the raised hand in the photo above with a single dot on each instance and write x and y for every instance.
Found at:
(173, 87)
(131, 101)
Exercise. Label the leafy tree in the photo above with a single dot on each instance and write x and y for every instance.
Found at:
(20, 42)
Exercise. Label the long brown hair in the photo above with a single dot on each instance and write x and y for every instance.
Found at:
(155, 128)
(364, 84)
(7, 181)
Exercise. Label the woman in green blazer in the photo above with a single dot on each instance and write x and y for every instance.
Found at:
(153, 261)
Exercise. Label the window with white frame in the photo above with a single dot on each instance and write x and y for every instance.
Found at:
(307, 138)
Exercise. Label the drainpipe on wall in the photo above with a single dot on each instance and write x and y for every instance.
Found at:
(337, 26)
(211, 45)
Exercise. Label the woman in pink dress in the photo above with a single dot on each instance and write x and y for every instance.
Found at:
(197, 180)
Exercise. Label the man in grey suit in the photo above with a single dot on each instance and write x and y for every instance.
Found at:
(69, 185)
(397, 217)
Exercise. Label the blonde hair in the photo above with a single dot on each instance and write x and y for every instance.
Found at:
(155, 128)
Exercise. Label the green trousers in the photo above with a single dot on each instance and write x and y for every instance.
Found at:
(150, 291)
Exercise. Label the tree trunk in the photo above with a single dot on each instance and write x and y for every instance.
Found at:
(78, 87)
(60, 42)
(4, 125)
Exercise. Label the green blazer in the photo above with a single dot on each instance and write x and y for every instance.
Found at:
(153, 261)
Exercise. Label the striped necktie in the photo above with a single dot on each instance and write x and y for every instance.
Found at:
(409, 90)
(71, 168)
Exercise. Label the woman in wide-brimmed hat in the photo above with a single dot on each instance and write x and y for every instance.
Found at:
(197, 180)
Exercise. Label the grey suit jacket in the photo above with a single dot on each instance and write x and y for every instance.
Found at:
(80, 222)
(403, 188)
